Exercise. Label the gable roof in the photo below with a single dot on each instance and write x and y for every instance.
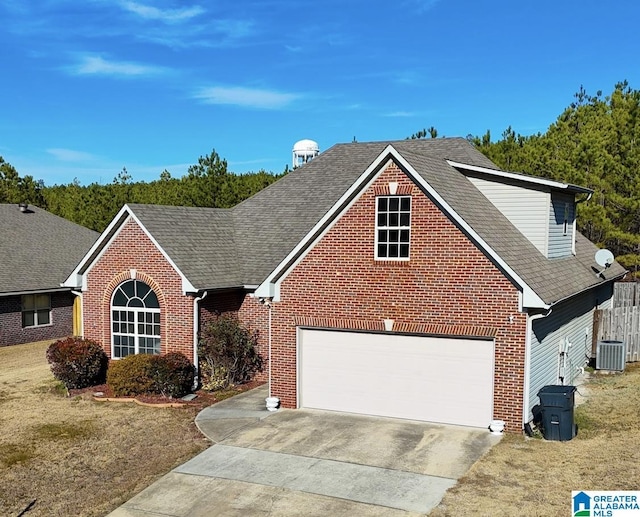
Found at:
(259, 238)
(38, 250)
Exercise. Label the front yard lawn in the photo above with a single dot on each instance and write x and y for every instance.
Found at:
(74, 456)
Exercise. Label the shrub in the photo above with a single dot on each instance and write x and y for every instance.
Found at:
(175, 374)
(227, 353)
(77, 362)
(170, 375)
(132, 375)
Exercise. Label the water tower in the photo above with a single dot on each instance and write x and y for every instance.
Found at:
(304, 151)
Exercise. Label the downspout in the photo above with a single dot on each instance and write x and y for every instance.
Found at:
(196, 322)
(269, 307)
(273, 403)
(527, 362)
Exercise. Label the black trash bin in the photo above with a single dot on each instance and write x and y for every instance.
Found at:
(556, 404)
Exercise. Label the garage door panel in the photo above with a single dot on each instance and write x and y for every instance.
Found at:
(424, 378)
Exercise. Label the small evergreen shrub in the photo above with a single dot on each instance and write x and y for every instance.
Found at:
(170, 375)
(77, 362)
(228, 353)
(133, 375)
(175, 374)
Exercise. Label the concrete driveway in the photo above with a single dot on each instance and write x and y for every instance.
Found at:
(311, 462)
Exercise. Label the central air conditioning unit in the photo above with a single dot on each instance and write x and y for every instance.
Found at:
(611, 355)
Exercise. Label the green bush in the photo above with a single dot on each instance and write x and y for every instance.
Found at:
(77, 362)
(133, 375)
(170, 375)
(175, 374)
(227, 353)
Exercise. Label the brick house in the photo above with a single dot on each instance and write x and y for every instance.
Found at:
(409, 279)
(38, 250)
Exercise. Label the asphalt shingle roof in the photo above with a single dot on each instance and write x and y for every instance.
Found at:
(218, 248)
(38, 250)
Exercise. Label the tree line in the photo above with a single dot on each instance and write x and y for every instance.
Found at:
(208, 183)
(595, 142)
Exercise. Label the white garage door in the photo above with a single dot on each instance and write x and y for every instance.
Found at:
(434, 379)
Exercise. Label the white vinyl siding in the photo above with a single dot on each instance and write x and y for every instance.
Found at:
(526, 208)
(570, 320)
(561, 218)
(436, 379)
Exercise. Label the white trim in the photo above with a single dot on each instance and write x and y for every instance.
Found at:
(521, 177)
(527, 362)
(270, 286)
(77, 279)
(388, 228)
(267, 288)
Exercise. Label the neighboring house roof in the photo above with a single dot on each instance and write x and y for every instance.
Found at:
(38, 250)
(244, 245)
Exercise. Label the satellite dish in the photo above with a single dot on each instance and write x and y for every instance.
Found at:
(604, 258)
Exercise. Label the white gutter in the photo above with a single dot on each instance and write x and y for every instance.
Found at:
(196, 321)
(527, 363)
(521, 177)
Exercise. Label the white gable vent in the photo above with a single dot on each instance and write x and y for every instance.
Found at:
(611, 355)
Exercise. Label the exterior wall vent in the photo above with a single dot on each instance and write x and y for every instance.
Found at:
(611, 355)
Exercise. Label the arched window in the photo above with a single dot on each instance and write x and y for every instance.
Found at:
(135, 320)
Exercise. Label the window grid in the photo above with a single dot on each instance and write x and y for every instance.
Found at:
(393, 227)
(135, 320)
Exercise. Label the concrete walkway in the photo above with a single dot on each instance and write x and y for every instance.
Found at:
(307, 462)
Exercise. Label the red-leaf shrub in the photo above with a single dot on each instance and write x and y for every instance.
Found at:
(77, 362)
(170, 375)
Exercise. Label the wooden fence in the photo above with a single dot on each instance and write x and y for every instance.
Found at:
(626, 294)
(620, 324)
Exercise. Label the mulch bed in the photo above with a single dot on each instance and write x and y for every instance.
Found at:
(203, 399)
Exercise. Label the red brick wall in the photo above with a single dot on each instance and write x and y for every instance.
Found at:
(132, 249)
(448, 286)
(12, 332)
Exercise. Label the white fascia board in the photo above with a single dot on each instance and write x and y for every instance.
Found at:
(104, 242)
(520, 177)
(76, 279)
(529, 296)
(268, 288)
(187, 286)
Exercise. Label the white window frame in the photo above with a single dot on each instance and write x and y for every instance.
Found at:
(36, 310)
(390, 226)
(133, 324)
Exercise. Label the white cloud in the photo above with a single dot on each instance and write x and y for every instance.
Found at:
(69, 155)
(166, 15)
(97, 65)
(245, 97)
(399, 114)
(422, 6)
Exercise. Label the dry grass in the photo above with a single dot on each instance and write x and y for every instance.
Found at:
(74, 456)
(534, 477)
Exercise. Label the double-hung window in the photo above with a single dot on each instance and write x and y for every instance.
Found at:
(36, 310)
(393, 227)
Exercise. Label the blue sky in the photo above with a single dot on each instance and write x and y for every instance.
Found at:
(91, 86)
